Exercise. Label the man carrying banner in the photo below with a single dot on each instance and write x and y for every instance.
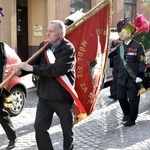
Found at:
(5, 120)
(131, 71)
(56, 61)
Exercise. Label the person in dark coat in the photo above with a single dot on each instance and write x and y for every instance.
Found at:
(114, 64)
(5, 120)
(56, 61)
(146, 80)
(131, 72)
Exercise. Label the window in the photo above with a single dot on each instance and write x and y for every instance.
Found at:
(75, 5)
(130, 9)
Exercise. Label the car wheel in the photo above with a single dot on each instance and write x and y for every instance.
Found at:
(18, 103)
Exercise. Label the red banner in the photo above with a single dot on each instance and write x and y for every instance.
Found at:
(90, 38)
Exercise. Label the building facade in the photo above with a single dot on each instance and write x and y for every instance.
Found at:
(25, 22)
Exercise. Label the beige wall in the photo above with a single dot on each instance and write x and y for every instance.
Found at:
(118, 12)
(37, 15)
(95, 2)
(8, 24)
(41, 12)
(145, 9)
(62, 9)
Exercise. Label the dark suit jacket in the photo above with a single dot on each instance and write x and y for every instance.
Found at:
(135, 57)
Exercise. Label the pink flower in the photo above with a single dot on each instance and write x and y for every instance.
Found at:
(141, 24)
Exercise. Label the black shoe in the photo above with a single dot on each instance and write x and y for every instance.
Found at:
(125, 118)
(129, 123)
(112, 97)
(12, 144)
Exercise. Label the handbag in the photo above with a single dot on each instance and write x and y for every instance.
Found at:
(7, 98)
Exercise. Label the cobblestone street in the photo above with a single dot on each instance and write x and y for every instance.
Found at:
(102, 130)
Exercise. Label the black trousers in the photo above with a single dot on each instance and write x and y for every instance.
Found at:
(128, 99)
(44, 115)
(6, 123)
(113, 85)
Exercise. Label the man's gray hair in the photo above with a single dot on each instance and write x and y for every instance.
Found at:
(60, 24)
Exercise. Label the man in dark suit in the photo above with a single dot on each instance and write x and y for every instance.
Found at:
(57, 60)
(131, 71)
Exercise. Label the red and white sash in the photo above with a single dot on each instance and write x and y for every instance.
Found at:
(65, 82)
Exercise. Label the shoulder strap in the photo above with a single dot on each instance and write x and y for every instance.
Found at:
(125, 63)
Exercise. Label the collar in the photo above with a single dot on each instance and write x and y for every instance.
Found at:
(55, 46)
(127, 43)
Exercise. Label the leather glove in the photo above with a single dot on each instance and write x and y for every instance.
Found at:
(138, 80)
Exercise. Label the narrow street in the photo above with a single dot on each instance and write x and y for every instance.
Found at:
(102, 130)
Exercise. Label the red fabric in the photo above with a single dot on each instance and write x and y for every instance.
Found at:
(91, 41)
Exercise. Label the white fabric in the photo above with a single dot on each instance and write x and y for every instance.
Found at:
(52, 59)
(138, 80)
(51, 56)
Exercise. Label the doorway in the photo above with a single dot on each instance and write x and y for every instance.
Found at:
(22, 29)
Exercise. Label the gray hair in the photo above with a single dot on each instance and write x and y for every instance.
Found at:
(60, 24)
